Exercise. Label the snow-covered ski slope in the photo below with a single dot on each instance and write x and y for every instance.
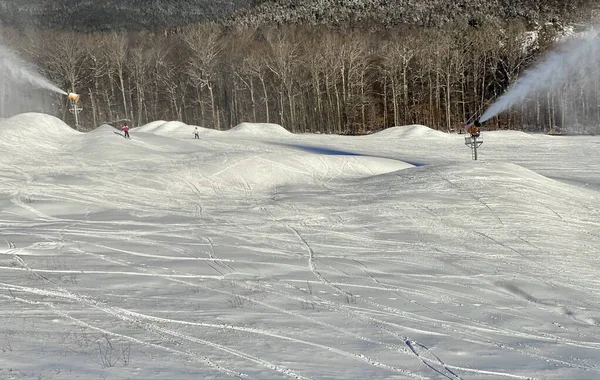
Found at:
(255, 253)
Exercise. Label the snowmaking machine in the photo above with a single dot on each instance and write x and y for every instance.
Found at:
(473, 139)
(73, 97)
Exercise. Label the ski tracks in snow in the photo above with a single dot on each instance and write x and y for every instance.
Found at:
(425, 355)
(148, 323)
(406, 340)
(134, 319)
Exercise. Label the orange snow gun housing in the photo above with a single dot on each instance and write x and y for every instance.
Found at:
(474, 128)
(73, 97)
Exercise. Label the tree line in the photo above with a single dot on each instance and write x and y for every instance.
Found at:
(122, 15)
(307, 79)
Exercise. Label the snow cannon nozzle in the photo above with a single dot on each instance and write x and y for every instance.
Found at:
(73, 97)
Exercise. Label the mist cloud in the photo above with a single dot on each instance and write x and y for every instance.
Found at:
(572, 61)
(14, 68)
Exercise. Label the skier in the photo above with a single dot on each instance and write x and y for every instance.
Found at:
(125, 129)
(196, 133)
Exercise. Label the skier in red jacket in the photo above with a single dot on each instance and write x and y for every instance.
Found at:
(125, 129)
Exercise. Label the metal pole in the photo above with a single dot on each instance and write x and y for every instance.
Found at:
(76, 117)
(75, 109)
(471, 142)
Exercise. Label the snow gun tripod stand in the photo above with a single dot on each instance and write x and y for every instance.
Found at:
(473, 142)
(74, 108)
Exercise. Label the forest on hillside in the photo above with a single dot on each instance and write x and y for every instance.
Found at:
(113, 15)
(308, 79)
(425, 13)
(136, 15)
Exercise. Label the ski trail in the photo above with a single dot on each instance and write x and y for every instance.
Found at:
(426, 361)
(213, 256)
(328, 283)
(10, 244)
(164, 333)
(358, 356)
(446, 325)
(134, 253)
(472, 322)
(380, 324)
(411, 345)
(63, 314)
(123, 315)
(312, 266)
(483, 372)
(375, 321)
(469, 192)
(541, 279)
(72, 271)
(188, 258)
(521, 254)
(17, 201)
(288, 372)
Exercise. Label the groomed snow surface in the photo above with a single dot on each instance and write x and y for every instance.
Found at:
(254, 253)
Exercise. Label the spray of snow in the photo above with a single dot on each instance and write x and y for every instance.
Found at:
(15, 68)
(572, 61)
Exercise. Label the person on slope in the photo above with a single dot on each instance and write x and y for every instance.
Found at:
(125, 129)
(196, 133)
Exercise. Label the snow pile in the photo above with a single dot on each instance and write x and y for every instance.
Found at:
(411, 132)
(104, 129)
(150, 127)
(176, 129)
(166, 129)
(260, 130)
(106, 143)
(34, 131)
(269, 171)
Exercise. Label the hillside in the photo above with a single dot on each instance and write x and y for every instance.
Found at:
(84, 15)
(429, 13)
(139, 15)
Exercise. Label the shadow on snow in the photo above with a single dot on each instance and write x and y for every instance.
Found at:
(337, 152)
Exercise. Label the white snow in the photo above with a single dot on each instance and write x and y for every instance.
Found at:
(255, 253)
(259, 130)
(173, 129)
(411, 132)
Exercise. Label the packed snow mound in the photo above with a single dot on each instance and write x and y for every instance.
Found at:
(519, 185)
(483, 184)
(175, 129)
(104, 129)
(411, 132)
(260, 130)
(491, 172)
(269, 171)
(503, 179)
(165, 128)
(34, 131)
(36, 124)
(108, 143)
(150, 127)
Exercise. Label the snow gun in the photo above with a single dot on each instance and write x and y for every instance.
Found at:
(73, 97)
(473, 128)
(476, 123)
